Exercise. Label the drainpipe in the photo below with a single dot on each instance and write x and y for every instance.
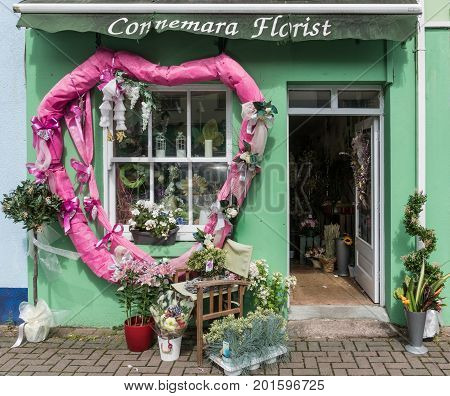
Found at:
(205, 8)
(421, 108)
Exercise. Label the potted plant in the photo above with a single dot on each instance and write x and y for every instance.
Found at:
(343, 251)
(210, 137)
(269, 291)
(418, 295)
(140, 284)
(153, 224)
(328, 260)
(34, 205)
(171, 315)
(314, 255)
(413, 261)
(209, 261)
(246, 343)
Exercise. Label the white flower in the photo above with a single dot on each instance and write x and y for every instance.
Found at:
(245, 157)
(140, 203)
(231, 213)
(163, 224)
(155, 213)
(149, 224)
(172, 220)
(268, 110)
(135, 212)
(148, 205)
(132, 223)
(146, 111)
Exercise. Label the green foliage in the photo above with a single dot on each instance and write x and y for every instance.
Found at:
(247, 336)
(419, 294)
(414, 260)
(207, 262)
(31, 204)
(269, 292)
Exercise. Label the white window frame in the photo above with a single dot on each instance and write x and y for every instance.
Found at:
(109, 161)
(334, 109)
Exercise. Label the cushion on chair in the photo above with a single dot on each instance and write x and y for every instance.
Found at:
(238, 257)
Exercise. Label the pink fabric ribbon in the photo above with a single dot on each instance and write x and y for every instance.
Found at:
(43, 131)
(91, 206)
(40, 175)
(83, 171)
(105, 77)
(116, 230)
(68, 210)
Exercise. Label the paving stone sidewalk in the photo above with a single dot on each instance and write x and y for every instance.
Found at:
(104, 352)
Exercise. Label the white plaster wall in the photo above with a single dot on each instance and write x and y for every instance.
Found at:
(12, 143)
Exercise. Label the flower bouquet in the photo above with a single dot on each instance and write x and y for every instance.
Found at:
(309, 227)
(171, 314)
(154, 224)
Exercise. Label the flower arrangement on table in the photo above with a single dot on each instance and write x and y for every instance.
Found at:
(140, 284)
(155, 219)
(260, 336)
(171, 314)
(314, 254)
(309, 226)
(269, 291)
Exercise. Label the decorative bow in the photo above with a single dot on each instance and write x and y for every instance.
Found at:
(216, 209)
(105, 77)
(105, 241)
(44, 129)
(83, 171)
(90, 206)
(39, 174)
(68, 210)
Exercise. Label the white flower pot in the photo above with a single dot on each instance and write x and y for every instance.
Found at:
(169, 349)
(208, 148)
(160, 153)
(181, 153)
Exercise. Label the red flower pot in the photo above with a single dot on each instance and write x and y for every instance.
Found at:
(139, 336)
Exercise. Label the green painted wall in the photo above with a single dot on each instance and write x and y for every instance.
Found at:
(438, 141)
(264, 219)
(437, 10)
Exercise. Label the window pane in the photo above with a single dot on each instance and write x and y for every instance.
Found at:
(168, 121)
(309, 99)
(208, 124)
(135, 141)
(358, 99)
(207, 180)
(171, 187)
(132, 184)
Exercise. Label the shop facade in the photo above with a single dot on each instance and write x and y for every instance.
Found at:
(289, 74)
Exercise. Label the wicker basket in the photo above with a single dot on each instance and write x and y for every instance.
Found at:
(328, 264)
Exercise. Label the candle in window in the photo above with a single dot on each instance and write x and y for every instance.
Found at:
(180, 142)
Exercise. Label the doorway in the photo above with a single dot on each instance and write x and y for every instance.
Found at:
(334, 209)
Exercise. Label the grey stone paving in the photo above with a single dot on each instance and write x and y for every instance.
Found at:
(104, 352)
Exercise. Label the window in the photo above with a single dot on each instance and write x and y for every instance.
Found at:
(310, 98)
(180, 158)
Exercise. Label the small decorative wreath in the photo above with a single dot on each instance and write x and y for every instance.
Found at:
(141, 173)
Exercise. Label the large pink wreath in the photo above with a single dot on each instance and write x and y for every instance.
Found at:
(64, 100)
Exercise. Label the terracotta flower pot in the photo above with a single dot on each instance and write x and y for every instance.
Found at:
(139, 337)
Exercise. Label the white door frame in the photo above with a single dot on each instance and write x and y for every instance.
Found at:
(334, 110)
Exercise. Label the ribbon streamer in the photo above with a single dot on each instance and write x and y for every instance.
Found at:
(43, 131)
(68, 211)
(39, 174)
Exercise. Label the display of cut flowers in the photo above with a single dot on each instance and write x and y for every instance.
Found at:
(140, 283)
(171, 313)
(309, 226)
(315, 252)
(157, 219)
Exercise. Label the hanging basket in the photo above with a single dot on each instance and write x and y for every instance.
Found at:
(328, 264)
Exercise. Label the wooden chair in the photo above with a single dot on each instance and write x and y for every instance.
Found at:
(220, 293)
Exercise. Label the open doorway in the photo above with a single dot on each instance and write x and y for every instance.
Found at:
(333, 173)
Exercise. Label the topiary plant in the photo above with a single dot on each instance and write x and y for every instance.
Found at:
(413, 261)
(34, 205)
